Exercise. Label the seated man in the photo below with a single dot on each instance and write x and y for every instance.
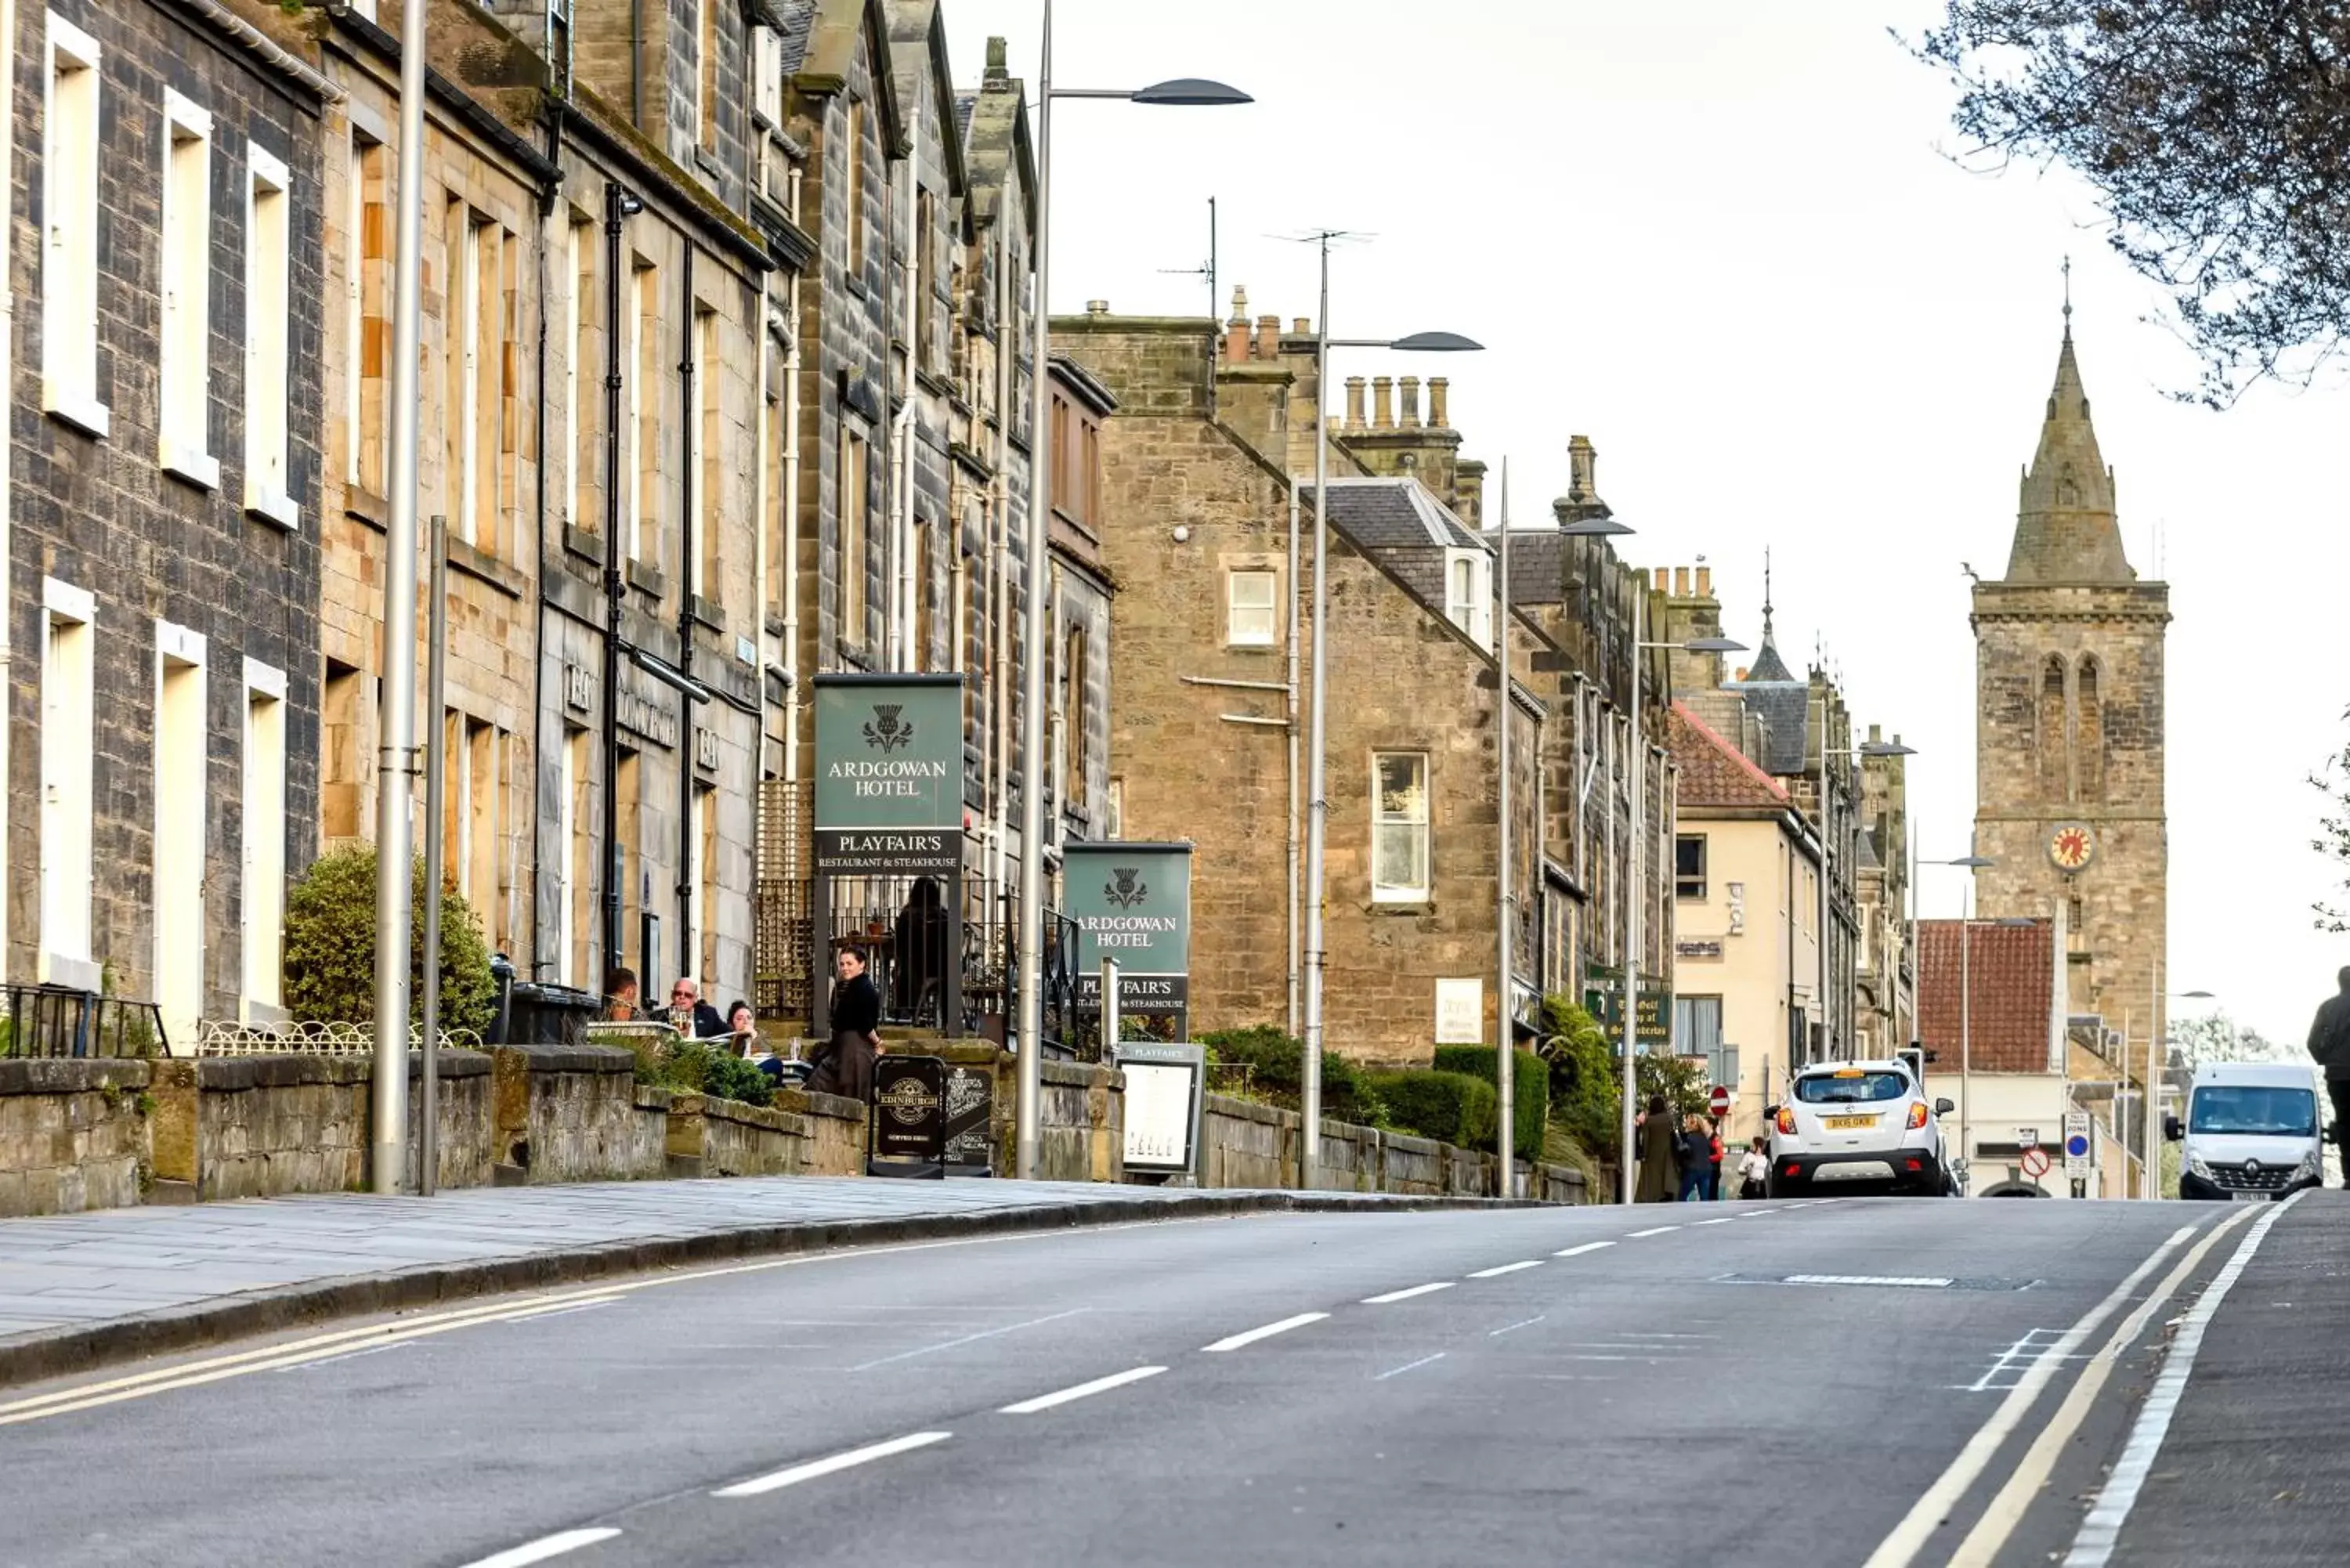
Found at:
(695, 1018)
(620, 995)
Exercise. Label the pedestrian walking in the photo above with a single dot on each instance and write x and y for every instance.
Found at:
(2329, 1044)
(1697, 1157)
(1754, 1171)
(1660, 1155)
(843, 1063)
(1713, 1167)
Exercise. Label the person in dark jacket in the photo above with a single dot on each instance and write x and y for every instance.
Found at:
(2329, 1045)
(844, 1065)
(1697, 1158)
(920, 977)
(692, 1017)
(1660, 1154)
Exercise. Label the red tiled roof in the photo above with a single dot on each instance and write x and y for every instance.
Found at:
(2008, 971)
(1714, 772)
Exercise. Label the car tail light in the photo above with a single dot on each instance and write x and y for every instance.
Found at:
(1917, 1114)
(1917, 1165)
(1787, 1120)
(1793, 1169)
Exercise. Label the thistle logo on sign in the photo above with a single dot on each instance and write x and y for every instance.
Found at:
(1132, 902)
(889, 778)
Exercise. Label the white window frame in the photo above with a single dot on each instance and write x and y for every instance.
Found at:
(262, 794)
(1470, 609)
(69, 272)
(268, 332)
(68, 741)
(574, 245)
(180, 829)
(700, 430)
(1384, 822)
(571, 769)
(183, 400)
(636, 476)
(465, 369)
(1240, 634)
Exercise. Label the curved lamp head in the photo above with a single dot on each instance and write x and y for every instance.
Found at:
(1886, 749)
(1436, 342)
(2198, 996)
(1713, 645)
(1190, 92)
(1597, 528)
(1971, 862)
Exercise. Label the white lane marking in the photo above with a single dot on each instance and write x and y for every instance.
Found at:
(1235, 1341)
(1506, 1269)
(1406, 1295)
(1629, 1335)
(1099, 1386)
(2030, 1473)
(2094, 1545)
(1578, 1251)
(1901, 1546)
(1407, 1366)
(1653, 1231)
(966, 1339)
(1508, 1327)
(814, 1469)
(1726, 1219)
(350, 1355)
(1912, 1281)
(544, 1547)
(1599, 1358)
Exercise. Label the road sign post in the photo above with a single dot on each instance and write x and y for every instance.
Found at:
(1720, 1102)
(2034, 1162)
(2077, 1149)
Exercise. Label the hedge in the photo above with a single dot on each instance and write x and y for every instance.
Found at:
(1451, 1107)
(329, 962)
(1276, 1062)
(1529, 1089)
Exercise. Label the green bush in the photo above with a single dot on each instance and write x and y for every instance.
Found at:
(330, 944)
(697, 1067)
(731, 1077)
(1529, 1089)
(1451, 1107)
(1586, 1088)
(1276, 1064)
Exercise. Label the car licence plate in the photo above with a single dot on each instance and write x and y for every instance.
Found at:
(1851, 1121)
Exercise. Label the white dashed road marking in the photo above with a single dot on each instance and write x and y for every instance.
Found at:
(1506, 1269)
(544, 1547)
(1578, 1251)
(1082, 1390)
(1406, 1295)
(1235, 1341)
(759, 1485)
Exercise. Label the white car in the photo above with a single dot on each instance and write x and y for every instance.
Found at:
(1859, 1124)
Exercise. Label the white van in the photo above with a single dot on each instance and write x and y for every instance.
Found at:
(2252, 1131)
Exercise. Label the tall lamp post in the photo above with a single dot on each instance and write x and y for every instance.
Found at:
(1182, 92)
(1317, 811)
(1848, 754)
(1967, 862)
(1608, 528)
(2150, 1173)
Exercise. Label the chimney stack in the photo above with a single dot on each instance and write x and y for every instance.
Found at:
(1097, 307)
(1680, 582)
(1582, 462)
(1303, 326)
(1236, 329)
(1354, 402)
(1705, 582)
(1438, 416)
(997, 69)
(1410, 420)
(1268, 336)
(1383, 402)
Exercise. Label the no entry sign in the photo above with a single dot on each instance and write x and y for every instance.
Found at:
(1720, 1102)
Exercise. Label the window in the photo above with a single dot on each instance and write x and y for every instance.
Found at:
(1398, 826)
(700, 949)
(625, 858)
(182, 417)
(1468, 598)
(1117, 824)
(966, 634)
(344, 733)
(926, 281)
(923, 627)
(580, 372)
(853, 150)
(69, 247)
(1697, 1032)
(1072, 721)
(643, 415)
(268, 324)
(572, 851)
(1688, 866)
(853, 500)
(484, 865)
(1850, 1086)
(265, 834)
(181, 795)
(705, 574)
(1250, 606)
(366, 268)
(68, 673)
(705, 83)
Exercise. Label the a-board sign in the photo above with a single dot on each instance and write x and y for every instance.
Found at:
(1165, 1083)
(910, 1116)
(970, 1104)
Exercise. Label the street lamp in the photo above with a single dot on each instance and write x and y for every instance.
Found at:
(1866, 749)
(1182, 91)
(1608, 528)
(1317, 815)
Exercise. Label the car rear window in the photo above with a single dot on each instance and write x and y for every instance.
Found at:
(1850, 1088)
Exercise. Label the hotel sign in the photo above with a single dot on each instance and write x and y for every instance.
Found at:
(890, 781)
(1132, 902)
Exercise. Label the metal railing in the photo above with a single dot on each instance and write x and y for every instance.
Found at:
(313, 1039)
(59, 1021)
(917, 931)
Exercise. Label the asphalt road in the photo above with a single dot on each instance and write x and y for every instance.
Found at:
(1858, 1381)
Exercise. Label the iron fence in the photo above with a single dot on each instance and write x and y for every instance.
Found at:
(58, 1021)
(945, 954)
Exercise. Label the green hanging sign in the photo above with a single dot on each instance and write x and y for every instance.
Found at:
(1131, 902)
(889, 773)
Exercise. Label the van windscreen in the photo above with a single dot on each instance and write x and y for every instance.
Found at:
(2254, 1108)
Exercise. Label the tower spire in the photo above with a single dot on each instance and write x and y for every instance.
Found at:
(2066, 528)
(1767, 594)
(2068, 299)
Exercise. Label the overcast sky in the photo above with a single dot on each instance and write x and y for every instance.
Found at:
(1726, 241)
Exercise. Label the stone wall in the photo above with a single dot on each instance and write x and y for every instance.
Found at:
(72, 1135)
(1083, 1137)
(570, 1113)
(832, 1128)
(1247, 1145)
(1255, 1145)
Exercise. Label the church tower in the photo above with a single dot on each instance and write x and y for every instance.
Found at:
(2069, 728)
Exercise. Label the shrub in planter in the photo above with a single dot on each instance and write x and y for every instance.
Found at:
(329, 974)
(1451, 1107)
(1276, 1064)
(1529, 1089)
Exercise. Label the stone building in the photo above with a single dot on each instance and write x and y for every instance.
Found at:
(2069, 733)
(160, 503)
(1198, 504)
(1886, 967)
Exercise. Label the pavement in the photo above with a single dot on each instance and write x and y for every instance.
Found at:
(80, 1291)
(1858, 1381)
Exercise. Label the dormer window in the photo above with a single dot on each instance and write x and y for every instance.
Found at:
(1469, 594)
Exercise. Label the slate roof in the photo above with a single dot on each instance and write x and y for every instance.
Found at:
(1782, 702)
(1537, 564)
(1714, 772)
(2008, 973)
(1395, 513)
(798, 20)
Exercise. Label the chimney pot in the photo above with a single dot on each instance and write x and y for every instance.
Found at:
(1411, 419)
(1354, 402)
(1236, 329)
(1680, 582)
(1097, 307)
(1240, 305)
(997, 69)
(1268, 336)
(1439, 418)
(1705, 582)
(1741, 672)
(1383, 402)
(1303, 326)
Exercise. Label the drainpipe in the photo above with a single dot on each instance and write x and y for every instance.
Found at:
(792, 530)
(999, 707)
(618, 205)
(689, 552)
(7, 472)
(910, 316)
